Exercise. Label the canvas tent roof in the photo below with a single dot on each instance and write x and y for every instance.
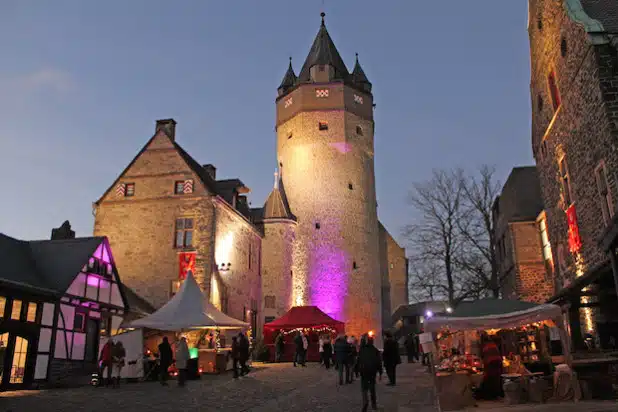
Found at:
(303, 317)
(188, 309)
(493, 314)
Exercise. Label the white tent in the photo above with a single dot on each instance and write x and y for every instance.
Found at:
(188, 309)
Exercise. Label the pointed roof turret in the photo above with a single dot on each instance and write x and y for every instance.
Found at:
(358, 75)
(289, 79)
(323, 51)
(277, 206)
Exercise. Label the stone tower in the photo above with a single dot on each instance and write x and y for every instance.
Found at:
(325, 152)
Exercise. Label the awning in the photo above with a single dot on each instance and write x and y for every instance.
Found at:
(304, 317)
(493, 314)
(188, 309)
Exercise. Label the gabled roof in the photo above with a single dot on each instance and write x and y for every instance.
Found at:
(289, 79)
(323, 51)
(277, 206)
(49, 266)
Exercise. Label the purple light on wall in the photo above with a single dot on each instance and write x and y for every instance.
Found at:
(102, 253)
(93, 281)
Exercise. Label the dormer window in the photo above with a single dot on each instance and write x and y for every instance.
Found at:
(322, 126)
(359, 130)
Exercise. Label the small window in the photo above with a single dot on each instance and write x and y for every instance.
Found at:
(16, 310)
(280, 164)
(31, 315)
(392, 266)
(359, 130)
(179, 187)
(604, 193)
(354, 265)
(539, 103)
(250, 256)
(79, 322)
(291, 273)
(129, 189)
(2, 306)
(184, 233)
(322, 125)
(565, 180)
(539, 23)
(269, 302)
(290, 135)
(553, 90)
(317, 226)
(563, 47)
(350, 186)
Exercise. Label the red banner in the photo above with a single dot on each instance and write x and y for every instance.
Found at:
(186, 263)
(575, 242)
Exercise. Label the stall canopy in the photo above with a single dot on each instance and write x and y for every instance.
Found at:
(188, 309)
(304, 317)
(493, 314)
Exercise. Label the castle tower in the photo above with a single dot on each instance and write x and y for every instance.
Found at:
(325, 152)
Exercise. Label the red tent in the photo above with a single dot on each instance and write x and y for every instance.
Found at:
(309, 318)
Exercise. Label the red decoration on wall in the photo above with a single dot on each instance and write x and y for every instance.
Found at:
(575, 242)
(186, 263)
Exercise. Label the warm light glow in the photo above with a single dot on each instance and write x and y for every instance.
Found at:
(299, 301)
(215, 294)
(371, 333)
(224, 248)
(449, 309)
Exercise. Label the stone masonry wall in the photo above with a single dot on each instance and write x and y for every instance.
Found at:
(533, 282)
(141, 228)
(580, 129)
(397, 273)
(277, 266)
(329, 180)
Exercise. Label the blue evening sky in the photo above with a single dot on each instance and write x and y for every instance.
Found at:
(82, 83)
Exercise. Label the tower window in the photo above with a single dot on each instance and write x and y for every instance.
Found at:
(290, 135)
(354, 265)
(565, 180)
(291, 273)
(317, 225)
(539, 103)
(553, 90)
(350, 186)
(359, 130)
(323, 125)
(280, 164)
(184, 233)
(129, 189)
(563, 47)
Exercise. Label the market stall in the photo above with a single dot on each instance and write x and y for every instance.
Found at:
(493, 348)
(208, 330)
(309, 319)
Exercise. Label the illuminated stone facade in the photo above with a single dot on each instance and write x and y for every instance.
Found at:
(574, 94)
(141, 226)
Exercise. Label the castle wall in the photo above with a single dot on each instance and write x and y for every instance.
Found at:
(397, 272)
(329, 180)
(277, 268)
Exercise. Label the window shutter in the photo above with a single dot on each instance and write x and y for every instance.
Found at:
(188, 187)
(120, 189)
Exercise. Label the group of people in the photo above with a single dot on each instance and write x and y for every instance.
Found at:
(111, 362)
(167, 358)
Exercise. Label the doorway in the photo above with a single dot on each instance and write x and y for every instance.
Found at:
(15, 363)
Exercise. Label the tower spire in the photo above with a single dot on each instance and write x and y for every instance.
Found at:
(359, 76)
(323, 15)
(289, 79)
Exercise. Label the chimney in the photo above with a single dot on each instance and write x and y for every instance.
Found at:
(211, 170)
(63, 232)
(168, 126)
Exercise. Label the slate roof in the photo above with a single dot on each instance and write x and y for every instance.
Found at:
(49, 266)
(323, 51)
(277, 206)
(604, 11)
(137, 304)
(289, 79)
(358, 74)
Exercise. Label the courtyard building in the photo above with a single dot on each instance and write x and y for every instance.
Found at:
(574, 99)
(523, 251)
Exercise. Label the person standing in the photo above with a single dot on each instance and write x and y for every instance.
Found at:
(279, 346)
(305, 349)
(243, 346)
(321, 349)
(391, 358)
(298, 342)
(105, 361)
(342, 356)
(235, 355)
(411, 349)
(369, 365)
(165, 360)
(118, 356)
(182, 358)
(328, 352)
(352, 357)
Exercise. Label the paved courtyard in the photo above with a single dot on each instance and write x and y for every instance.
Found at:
(270, 387)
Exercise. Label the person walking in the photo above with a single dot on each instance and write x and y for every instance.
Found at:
(279, 346)
(352, 357)
(328, 352)
(182, 358)
(243, 346)
(105, 361)
(342, 357)
(411, 348)
(118, 356)
(165, 360)
(391, 358)
(369, 365)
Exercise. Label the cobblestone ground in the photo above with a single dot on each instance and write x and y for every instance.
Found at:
(269, 387)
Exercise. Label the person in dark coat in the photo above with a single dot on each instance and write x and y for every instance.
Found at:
(342, 357)
(235, 355)
(391, 358)
(166, 358)
(243, 346)
(411, 348)
(328, 352)
(279, 346)
(300, 349)
(369, 365)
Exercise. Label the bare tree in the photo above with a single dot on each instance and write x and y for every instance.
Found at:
(477, 229)
(436, 240)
